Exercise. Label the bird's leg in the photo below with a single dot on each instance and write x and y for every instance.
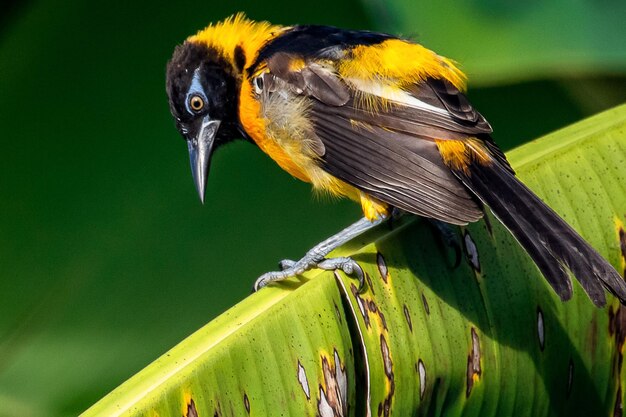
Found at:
(316, 257)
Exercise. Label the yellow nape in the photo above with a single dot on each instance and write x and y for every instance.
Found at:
(400, 62)
(237, 30)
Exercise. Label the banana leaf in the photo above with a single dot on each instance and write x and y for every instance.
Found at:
(426, 336)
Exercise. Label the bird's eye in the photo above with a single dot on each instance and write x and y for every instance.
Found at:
(258, 84)
(196, 103)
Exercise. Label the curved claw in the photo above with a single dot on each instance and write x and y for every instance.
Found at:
(292, 269)
(348, 265)
(268, 278)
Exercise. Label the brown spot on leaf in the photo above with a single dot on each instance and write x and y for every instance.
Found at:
(471, 251)
(383, 320)
(473, 363)
(382, 267)
(385, 408)
(333, 392)
(425, 302)
(407, 316)
(488, 225)
(421, 371)
(388, 364)
(362, 304)
(622, 246)
(617, 329)
(367, 306)
(303, 380)
(337, 312)
(369, 282)
(246, 402)
(592, 335)
(191, 409)
(541, 330)
(617, 324)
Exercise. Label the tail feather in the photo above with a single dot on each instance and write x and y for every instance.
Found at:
(548, 239)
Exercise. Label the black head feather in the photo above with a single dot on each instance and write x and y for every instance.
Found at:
(197, 67)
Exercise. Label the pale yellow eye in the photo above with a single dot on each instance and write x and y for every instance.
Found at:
(196, 103)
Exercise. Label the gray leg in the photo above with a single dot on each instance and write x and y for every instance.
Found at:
(316, 256)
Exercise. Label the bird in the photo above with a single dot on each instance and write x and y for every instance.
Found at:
(373, 117)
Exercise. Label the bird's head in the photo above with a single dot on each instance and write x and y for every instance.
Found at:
(202, 89)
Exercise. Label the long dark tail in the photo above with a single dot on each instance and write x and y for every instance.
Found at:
(548, 239)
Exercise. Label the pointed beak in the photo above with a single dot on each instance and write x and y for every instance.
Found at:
(200, 148)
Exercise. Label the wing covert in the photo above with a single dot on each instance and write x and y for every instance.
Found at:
(387, 151)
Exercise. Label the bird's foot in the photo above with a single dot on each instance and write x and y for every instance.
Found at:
(291, 268)
(316, 257)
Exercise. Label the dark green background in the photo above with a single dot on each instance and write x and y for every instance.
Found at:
(107, 258)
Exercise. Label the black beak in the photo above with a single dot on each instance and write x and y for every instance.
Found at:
(200, 148)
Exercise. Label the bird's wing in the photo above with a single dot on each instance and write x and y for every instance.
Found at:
(382, 139)
(390, 119)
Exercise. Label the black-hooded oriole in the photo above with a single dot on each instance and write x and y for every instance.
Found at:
(372, 117)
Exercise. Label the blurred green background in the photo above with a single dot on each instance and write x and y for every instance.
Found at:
(107, 258)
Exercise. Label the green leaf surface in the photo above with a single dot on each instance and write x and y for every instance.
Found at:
(503, 41)
(487, 338)
(274, 353)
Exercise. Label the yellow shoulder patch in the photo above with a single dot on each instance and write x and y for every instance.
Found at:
(400, 62)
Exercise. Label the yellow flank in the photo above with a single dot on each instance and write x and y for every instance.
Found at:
(373, 209)
(459, 154)
(401, 63)
(235, 31)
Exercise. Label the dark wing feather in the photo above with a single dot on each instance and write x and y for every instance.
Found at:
(442, 94)
(391, 155)
(313, 80)
(399, 169)
(465, 118)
